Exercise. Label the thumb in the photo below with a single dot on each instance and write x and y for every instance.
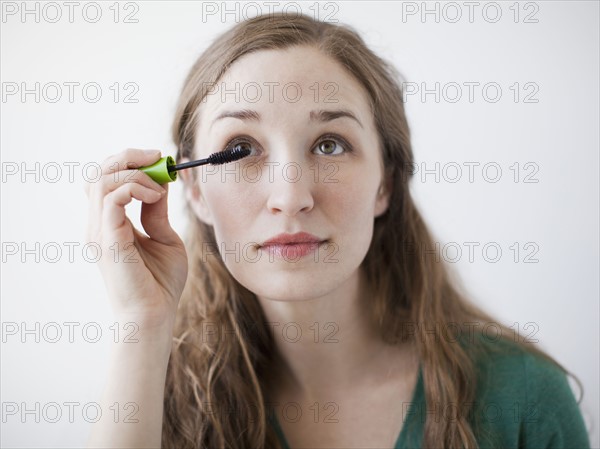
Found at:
(155, 220)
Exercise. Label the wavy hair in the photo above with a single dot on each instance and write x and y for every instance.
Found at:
(215, 388)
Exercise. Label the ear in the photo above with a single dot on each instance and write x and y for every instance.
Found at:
(383, 197)
(194, 195)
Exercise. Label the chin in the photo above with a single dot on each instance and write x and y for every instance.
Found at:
(290, 286)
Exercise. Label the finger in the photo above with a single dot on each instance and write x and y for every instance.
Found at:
(124, 162)
(98, 190)
(110, 182)
(130, 158)
(114, 219)
(155, 220)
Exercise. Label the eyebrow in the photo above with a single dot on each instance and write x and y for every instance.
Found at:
(320, 115)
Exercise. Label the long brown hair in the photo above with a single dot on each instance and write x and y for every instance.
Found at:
(215, 388)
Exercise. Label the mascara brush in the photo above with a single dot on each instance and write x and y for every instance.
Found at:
(165, 170)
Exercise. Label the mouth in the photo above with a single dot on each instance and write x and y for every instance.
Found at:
(291, 251)
(292, 246)
(292, 239)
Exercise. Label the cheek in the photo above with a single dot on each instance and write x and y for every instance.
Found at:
(233, 208)
(348, 207)
(352, 197)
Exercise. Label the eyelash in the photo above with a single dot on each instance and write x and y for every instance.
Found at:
(324, 138)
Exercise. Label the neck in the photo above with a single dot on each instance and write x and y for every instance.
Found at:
(326, 343)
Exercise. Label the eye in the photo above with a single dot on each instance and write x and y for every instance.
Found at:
(333, 146)
(241, 142)
(329, 145)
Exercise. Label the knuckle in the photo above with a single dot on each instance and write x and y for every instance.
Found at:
(111, 197)
(107, 160)
(129, 154)
(106, 181)
(129, 187)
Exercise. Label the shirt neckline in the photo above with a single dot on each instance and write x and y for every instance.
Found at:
(402, 437)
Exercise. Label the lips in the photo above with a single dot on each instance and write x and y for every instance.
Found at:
(290, 239)
(292, 246)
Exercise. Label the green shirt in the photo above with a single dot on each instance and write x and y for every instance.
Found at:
(522, 401)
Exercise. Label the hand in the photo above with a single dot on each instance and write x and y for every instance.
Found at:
(144, 275)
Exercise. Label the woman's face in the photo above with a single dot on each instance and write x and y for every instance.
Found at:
(315, 167)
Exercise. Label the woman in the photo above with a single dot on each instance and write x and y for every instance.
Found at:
(315, 313)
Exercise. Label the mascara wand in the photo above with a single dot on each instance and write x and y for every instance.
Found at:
(165, 170)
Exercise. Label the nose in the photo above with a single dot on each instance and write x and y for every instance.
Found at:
(291, 190)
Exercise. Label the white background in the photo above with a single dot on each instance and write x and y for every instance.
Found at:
(558, 134)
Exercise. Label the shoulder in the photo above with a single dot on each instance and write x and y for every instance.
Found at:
(524, 399)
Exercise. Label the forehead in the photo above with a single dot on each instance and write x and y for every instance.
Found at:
(294, 79)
